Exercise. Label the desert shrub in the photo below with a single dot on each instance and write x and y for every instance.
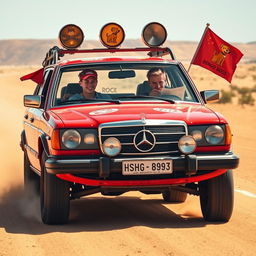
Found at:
(244, 90)
(244, 94)
(254, 88)
(240, 76)
(246, 99)
(254, 77)
(226, 97)
(253, 68)
(233, 87)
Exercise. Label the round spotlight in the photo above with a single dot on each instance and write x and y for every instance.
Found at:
(187, 144)
(111, 146)
(154, 34)
(71, 36)
(112, 35)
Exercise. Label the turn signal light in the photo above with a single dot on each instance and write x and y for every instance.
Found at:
(228, 135)
(154, 34)
(71, 36)
(55, 139)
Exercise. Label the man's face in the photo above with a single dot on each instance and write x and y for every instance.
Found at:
(89, 84)
(157, 82)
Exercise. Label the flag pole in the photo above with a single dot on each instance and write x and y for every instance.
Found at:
(199, 45)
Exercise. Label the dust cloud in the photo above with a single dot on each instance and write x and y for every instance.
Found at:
(12, 196)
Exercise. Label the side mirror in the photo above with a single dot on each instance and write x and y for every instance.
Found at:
(210, 96)
(32, 101)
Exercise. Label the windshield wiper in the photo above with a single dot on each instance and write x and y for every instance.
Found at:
(88, 100)
(145, 97)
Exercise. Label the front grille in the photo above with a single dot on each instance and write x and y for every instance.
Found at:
(129, 133)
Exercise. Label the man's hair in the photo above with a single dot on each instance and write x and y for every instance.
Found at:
(155, 72)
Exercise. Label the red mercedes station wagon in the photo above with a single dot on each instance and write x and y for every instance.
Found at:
(113, 124)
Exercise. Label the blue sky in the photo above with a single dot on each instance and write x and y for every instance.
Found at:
(234, 21)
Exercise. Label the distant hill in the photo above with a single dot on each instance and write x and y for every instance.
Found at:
(32, 51)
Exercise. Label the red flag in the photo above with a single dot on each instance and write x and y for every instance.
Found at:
(37, 76)
(217, 55)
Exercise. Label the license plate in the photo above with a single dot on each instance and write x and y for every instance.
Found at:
(146, 167)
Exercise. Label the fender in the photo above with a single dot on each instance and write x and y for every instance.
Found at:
(43, 145)
(22, 140)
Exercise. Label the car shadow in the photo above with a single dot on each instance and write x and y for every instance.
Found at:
(21, 214)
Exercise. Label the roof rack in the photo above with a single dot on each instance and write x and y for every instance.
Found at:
(54, 54)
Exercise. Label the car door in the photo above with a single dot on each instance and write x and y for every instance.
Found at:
(32, 123)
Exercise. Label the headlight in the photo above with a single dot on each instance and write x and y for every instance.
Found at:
(210, 135)
(90, 139)
(197, 135)
(79, 139)
(71, 139)
(111, 146)
(214, 134)
(187, 144)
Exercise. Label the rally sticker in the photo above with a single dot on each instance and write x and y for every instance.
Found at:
(103, 111)
(167, 110)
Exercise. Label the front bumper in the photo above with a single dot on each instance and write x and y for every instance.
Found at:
(99, 170)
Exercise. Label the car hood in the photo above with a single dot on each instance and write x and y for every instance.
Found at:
(94, 115)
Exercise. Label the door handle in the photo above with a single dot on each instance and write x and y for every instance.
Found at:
(26, 116)
(31, 119)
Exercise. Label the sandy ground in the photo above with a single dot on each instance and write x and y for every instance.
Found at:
(132, 224)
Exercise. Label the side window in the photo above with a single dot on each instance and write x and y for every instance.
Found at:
(41, 89)
(181, 87)
(44, 87)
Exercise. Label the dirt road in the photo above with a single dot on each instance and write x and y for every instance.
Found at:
(131, 224)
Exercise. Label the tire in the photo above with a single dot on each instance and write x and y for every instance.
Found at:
(54, 198)
(217, 197)
(174, 196)
(31, 179)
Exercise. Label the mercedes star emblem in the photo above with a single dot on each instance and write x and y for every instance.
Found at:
(144, 140)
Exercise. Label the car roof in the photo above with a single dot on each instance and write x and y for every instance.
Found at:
(68, 62)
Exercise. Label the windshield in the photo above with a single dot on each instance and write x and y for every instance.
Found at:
(122, 82)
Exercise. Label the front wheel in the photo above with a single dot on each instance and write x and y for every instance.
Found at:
(54, 197)
(217, 197)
